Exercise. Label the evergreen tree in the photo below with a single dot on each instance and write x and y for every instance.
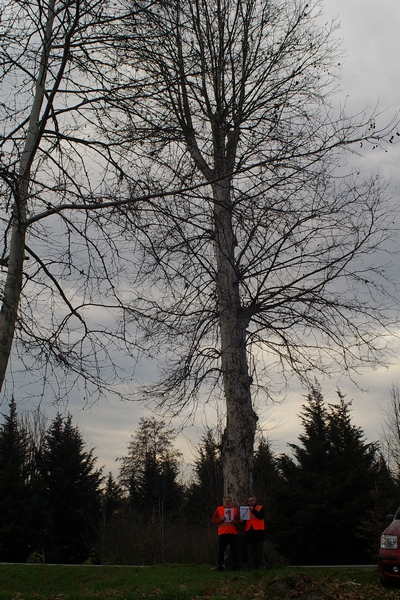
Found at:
(299, 498)
(17, 519)
(71, 488)
(112, 499)
(326, 489)
(206, 492)
(150, 455)
(265, 474)
(352, 479)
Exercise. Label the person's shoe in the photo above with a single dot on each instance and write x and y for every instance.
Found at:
(220, 568)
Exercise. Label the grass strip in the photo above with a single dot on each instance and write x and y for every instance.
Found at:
(187, 582)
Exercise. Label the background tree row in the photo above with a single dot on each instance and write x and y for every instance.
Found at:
(325, 500)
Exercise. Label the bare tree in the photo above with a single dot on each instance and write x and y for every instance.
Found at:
(390, 438)
(272, 264)
(59, 266)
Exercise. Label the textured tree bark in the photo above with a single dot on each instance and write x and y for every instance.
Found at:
(238, 437)
(15, 265)
(13, 286)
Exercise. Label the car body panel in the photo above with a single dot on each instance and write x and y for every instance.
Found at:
(389, 558)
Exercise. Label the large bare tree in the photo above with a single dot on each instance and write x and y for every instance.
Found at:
(274, 263)
(58, 260)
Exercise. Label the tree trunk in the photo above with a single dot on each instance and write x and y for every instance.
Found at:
(15, 264)
(13, 285)
(238, 437)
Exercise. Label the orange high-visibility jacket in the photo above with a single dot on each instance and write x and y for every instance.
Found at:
(225, 526)
(254, 522)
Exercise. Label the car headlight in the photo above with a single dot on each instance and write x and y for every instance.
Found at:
(389, 542)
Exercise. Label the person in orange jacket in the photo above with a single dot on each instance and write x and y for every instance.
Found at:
(254, 533)
(227, 519)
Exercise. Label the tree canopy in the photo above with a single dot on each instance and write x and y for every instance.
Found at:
(151, 455)
(70, 485)
(262, 268)
(327, 488)
(17, 490)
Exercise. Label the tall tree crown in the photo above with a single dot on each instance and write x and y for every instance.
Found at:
(329, 484)
(17, 500)
(150, 454)
(255, 269)
(237, 94)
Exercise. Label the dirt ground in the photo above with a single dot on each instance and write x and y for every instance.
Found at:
(325, 588)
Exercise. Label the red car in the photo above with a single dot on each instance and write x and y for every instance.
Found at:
(389, 551)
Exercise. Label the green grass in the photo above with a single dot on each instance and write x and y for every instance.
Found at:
(187, 582)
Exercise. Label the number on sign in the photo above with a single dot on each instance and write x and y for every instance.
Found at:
(245, 513)
(228, 514)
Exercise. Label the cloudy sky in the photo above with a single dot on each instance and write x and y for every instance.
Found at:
(370, 76)
(371, 43)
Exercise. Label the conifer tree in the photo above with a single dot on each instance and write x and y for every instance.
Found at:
(112, 497)
(206, 491)
(265, 474)
(299, 499)
(352, 478)
(327, 487)
(151, 454)
(71, 489)
(16, 497)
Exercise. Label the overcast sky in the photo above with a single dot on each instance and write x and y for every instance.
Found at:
(371, 42)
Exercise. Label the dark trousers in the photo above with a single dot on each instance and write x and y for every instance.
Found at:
(255, 549)
(224, 540)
